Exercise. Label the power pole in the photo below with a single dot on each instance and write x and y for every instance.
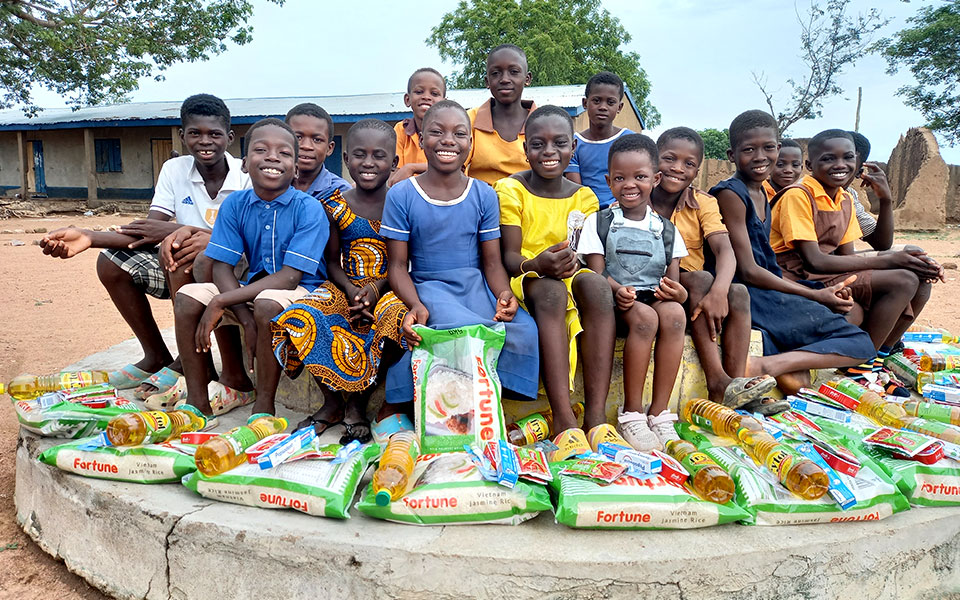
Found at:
(856, 123)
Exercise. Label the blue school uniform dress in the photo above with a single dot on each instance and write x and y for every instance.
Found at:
(443, 240)
(590, 162)
(290, 230)
(326, 183)
(787, 321)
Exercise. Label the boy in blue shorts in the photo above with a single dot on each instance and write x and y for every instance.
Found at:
(283, 232)
(603, 101)
(313, 127)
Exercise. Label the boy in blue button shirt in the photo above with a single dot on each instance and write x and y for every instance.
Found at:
(283, 233)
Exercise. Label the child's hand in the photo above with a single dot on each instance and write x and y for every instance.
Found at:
(625, 297)
(670, 291)
(557, 261)
(714, 308)
(916, 262)
(837, 296)
(874, 178)
(150, 231)
(65, 243)
(363, 301)
(208, 322)
(919, 253)
(181, 248)
(417, 315)
(507, 307)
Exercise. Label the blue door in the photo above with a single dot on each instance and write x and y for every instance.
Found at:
(40, 182)
(334, 162)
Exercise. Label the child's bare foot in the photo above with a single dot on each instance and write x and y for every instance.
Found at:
(790, 383)
(754, 366)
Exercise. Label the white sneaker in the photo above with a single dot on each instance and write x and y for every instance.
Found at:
(633, 427)
(662, 426)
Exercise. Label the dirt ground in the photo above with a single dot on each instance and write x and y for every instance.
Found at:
(55, 312)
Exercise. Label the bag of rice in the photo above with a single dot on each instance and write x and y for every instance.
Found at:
(456, 389)
(448, 489)
(151, 463)
(323, 488)
(68, 419)
(631, 503)
(923, 485)
(769, 503)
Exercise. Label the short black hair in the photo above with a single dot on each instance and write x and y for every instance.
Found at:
(788, 143)
(513, 47)
(311, 110)
(681, 133)
(204, 105)
(377, 125)
(275, 123)
(634, 142)
(751, 119)
(443, 105)
(862, 144)
(604, 77)
(426, 70)
(548, 110)
(815, 145)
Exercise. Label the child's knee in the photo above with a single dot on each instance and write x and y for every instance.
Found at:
(642, 321)
(108, 272)
(738, 298)
(548, 296)
(697, 283)
(905, 282)
(672, 317)
(202, 269)
(593, 292)
(185, 307)
(264, 311)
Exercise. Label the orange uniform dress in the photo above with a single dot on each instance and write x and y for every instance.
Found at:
(491, 157)
(408, 143)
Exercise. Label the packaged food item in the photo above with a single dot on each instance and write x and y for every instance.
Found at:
(195, 438)
(456, 388)
(150, 463)
(839, 491)
(638, 464)
(904, 442)
(151, 427)
(321, 488)
(67, 419)
(836, 392)
(532, 465)
(227, 450)
(393, 473)
(631, 503)
(671, 469)
(603, 471)
(928, 456)
(505, 459)
(448, 489)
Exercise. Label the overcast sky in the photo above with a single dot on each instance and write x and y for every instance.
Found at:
(699, 56)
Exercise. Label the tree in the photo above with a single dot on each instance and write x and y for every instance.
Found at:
(715, 143)
(830, 41)
(931, 49)
(566, 41)
(93, 51)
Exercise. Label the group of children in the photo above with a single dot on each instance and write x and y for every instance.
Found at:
(459, 217)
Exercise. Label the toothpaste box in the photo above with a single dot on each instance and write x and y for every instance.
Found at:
(838, 490)
(942, 393)
(821, 410)
(638, 464)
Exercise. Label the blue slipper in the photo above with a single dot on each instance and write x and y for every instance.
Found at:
(128, 377)
(382, 430)
(162, 380)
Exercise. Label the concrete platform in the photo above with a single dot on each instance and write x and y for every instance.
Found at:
(163, 541)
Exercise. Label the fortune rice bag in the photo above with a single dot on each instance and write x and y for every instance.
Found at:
(150, 463)
(67, 419)
(448, 489)
(456, 389)
(317, 487)
(770, 503)
(631, 503)
(923, 485)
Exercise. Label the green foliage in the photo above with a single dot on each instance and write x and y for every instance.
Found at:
(931, 50)
(96, 50)
(830, 41)
(715, 143)
(566, 41)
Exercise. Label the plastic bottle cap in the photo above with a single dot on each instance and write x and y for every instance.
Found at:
(3, 388)
(383, 498)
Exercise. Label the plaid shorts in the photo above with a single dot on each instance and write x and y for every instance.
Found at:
(144, 268)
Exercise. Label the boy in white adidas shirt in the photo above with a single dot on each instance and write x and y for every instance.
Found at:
(188, 193)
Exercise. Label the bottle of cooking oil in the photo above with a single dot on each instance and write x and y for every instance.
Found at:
(871, 404)
(28, 387)
(224, 452)
(801, 476)
(151, 427)
(711, 416)
(939, 362)
(396, 467)
(932, 428)
(536, 427)
(709, 479)
(933, 411)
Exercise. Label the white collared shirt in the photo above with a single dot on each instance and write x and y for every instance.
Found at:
(181, 192)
